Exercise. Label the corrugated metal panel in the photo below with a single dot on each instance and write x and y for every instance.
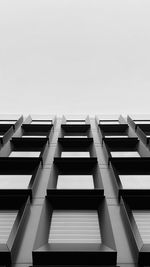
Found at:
(142, 218)
(77, 226)
(7, 218)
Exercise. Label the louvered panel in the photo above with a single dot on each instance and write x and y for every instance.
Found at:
(142, 219)
(74, 227)
(7, 219)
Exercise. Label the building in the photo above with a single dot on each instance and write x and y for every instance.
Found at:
(75, 190)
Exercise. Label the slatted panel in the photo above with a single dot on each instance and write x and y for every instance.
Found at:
(142, 219)
(77, 226)
(7, 218)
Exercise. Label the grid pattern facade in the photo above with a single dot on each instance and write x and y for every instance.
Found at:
(75, 190)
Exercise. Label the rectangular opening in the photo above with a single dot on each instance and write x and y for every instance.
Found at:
(75, 122)
(74, 226)
(19, 176)
(24, 154)
(142, 122)
(75, 154)
(84, 179)
(132, 176)
(75, 182)
(7, 122)
(136, 215)
(142, 220)
(122, 148)
(6, 131)
(11, 181)
(34, 136)
(124, 154)
(7, 219)
(41, 122)
(14, 211)
(34, 131)
(109, 122)
(135, 181)
(75, 136)
(116, 136)
(75, 131)
(113, 131)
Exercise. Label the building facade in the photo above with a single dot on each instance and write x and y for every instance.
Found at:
(75, 190)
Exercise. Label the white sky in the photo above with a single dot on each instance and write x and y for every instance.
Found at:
(74, 56)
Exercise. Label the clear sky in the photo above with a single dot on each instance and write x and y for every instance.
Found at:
(74, 56)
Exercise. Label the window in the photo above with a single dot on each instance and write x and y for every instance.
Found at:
(75, 122)
(78, 226)
(142, 122)
(75, 136)
(136, 212)
(116, 136)
(14, 181)
(109, 122)
(7, 219)
(34, 136)
(25, 154)
(7, 122)
(142, 219)
(75, 154)
(41, 122)
(75, 182)
(124, 154)
(135, 181)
